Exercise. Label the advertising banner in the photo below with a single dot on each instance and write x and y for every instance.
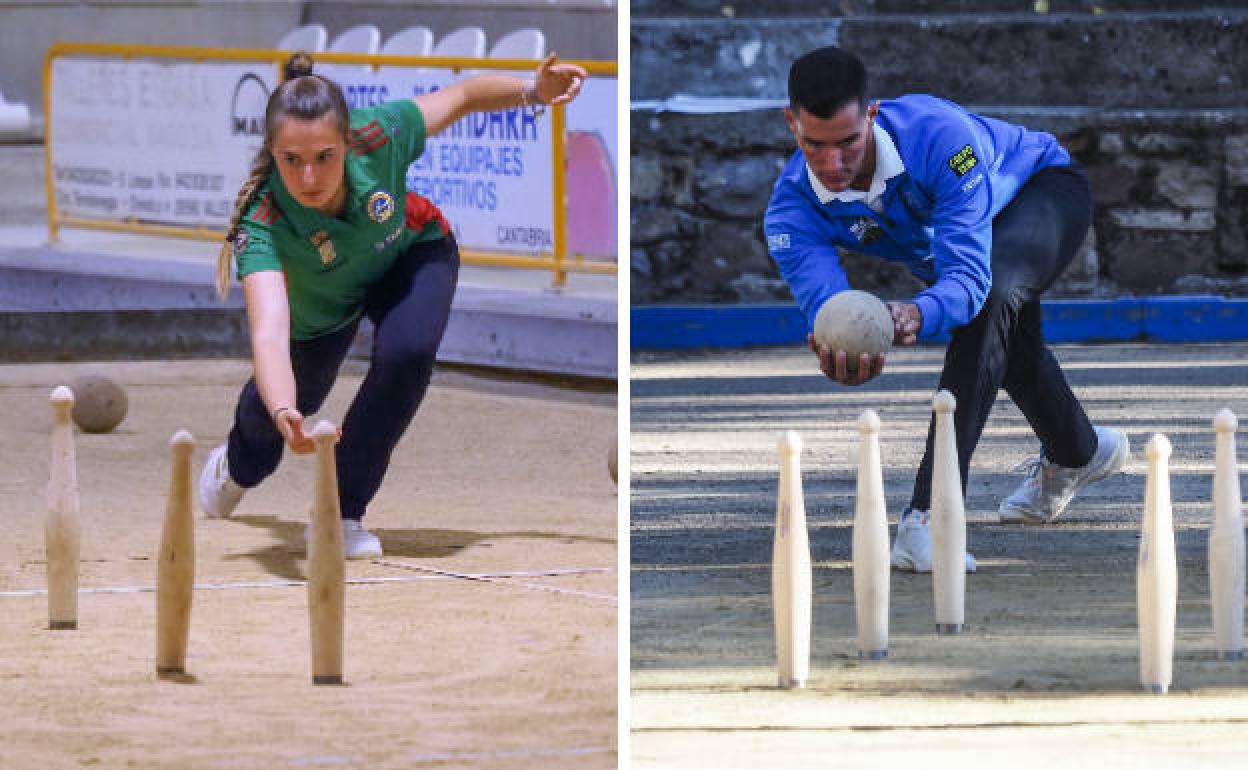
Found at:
(155, 141)
(171, 143)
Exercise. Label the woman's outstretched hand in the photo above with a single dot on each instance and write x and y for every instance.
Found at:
(557, 83)
(290, 424)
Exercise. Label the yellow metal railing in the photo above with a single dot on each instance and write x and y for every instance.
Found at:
(560, 263)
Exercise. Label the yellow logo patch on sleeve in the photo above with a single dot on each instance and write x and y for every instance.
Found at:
(963, 161)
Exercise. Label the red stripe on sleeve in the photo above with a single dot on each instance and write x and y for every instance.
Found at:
(365, 149)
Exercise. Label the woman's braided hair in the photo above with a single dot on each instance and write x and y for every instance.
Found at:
(301, 95)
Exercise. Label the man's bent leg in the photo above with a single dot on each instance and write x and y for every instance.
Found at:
(1034, 239)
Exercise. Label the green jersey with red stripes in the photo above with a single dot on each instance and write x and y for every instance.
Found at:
(331, 262)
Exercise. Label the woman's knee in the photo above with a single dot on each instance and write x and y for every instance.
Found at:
(252, 417)
(405, 357)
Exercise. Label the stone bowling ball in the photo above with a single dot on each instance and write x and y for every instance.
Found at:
(99, 403)
(856, 322)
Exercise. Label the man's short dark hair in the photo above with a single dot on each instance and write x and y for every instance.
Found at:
(824, 80)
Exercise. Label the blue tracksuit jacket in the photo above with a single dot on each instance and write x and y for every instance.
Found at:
(935, 217)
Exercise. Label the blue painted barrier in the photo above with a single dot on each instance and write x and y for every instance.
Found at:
(1155, 319)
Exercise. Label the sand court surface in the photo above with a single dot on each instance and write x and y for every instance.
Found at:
(1047, 672)
(486, 636)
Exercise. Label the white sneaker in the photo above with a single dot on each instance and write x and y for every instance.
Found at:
(357, 542)
(218, 494)
(912, 550)
(1049, 488)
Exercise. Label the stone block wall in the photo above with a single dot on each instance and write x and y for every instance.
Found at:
(1150, 96)
(1170, 188)
(1194, 59)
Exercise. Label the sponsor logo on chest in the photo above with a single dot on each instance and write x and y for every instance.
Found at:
(866, 230)
(381, 245)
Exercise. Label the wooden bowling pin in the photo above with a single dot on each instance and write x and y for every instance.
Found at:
(791, 569)
(870, 546)
(1226, 545)
(948, 523)
(1156, 572)
(62, 534)
(326, 567)
(175, 564)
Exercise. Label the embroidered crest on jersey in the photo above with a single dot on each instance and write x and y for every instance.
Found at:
(380, 206)
(866, 230)
(320, 239)
(778, 241)
(240, 243)
(963, 161)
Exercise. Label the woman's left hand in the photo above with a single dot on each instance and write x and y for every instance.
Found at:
(557, 83)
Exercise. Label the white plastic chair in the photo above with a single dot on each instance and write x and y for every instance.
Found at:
(413, 41)
(309, 37)
(524, 43)
(468, 42)
(14, 117)
(362, 38)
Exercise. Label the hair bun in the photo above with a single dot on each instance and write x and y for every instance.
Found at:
(297, 66)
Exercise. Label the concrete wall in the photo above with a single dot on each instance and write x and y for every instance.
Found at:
(812, 8)
(574, 28)
(23, 199)
(28, 28)
(1194, 59)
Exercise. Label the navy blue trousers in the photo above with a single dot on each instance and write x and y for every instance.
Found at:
(1034, 238)
(409, 308)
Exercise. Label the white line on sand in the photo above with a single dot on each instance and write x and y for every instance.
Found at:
(500, 579)
(489, 576)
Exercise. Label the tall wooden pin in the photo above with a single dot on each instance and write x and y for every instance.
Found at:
(948, 523)
(1226, 544)
(62, 534)
(1156, 574)
(791, 569)
(175, 565)
(326, 567)
(870, 546)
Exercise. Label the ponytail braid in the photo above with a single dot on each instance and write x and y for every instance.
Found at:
(261, 167)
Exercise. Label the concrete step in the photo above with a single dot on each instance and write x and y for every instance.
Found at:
(1124, 60)
(59, 304)
(717, 9)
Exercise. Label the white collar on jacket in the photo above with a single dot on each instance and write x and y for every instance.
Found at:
(887, 165)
